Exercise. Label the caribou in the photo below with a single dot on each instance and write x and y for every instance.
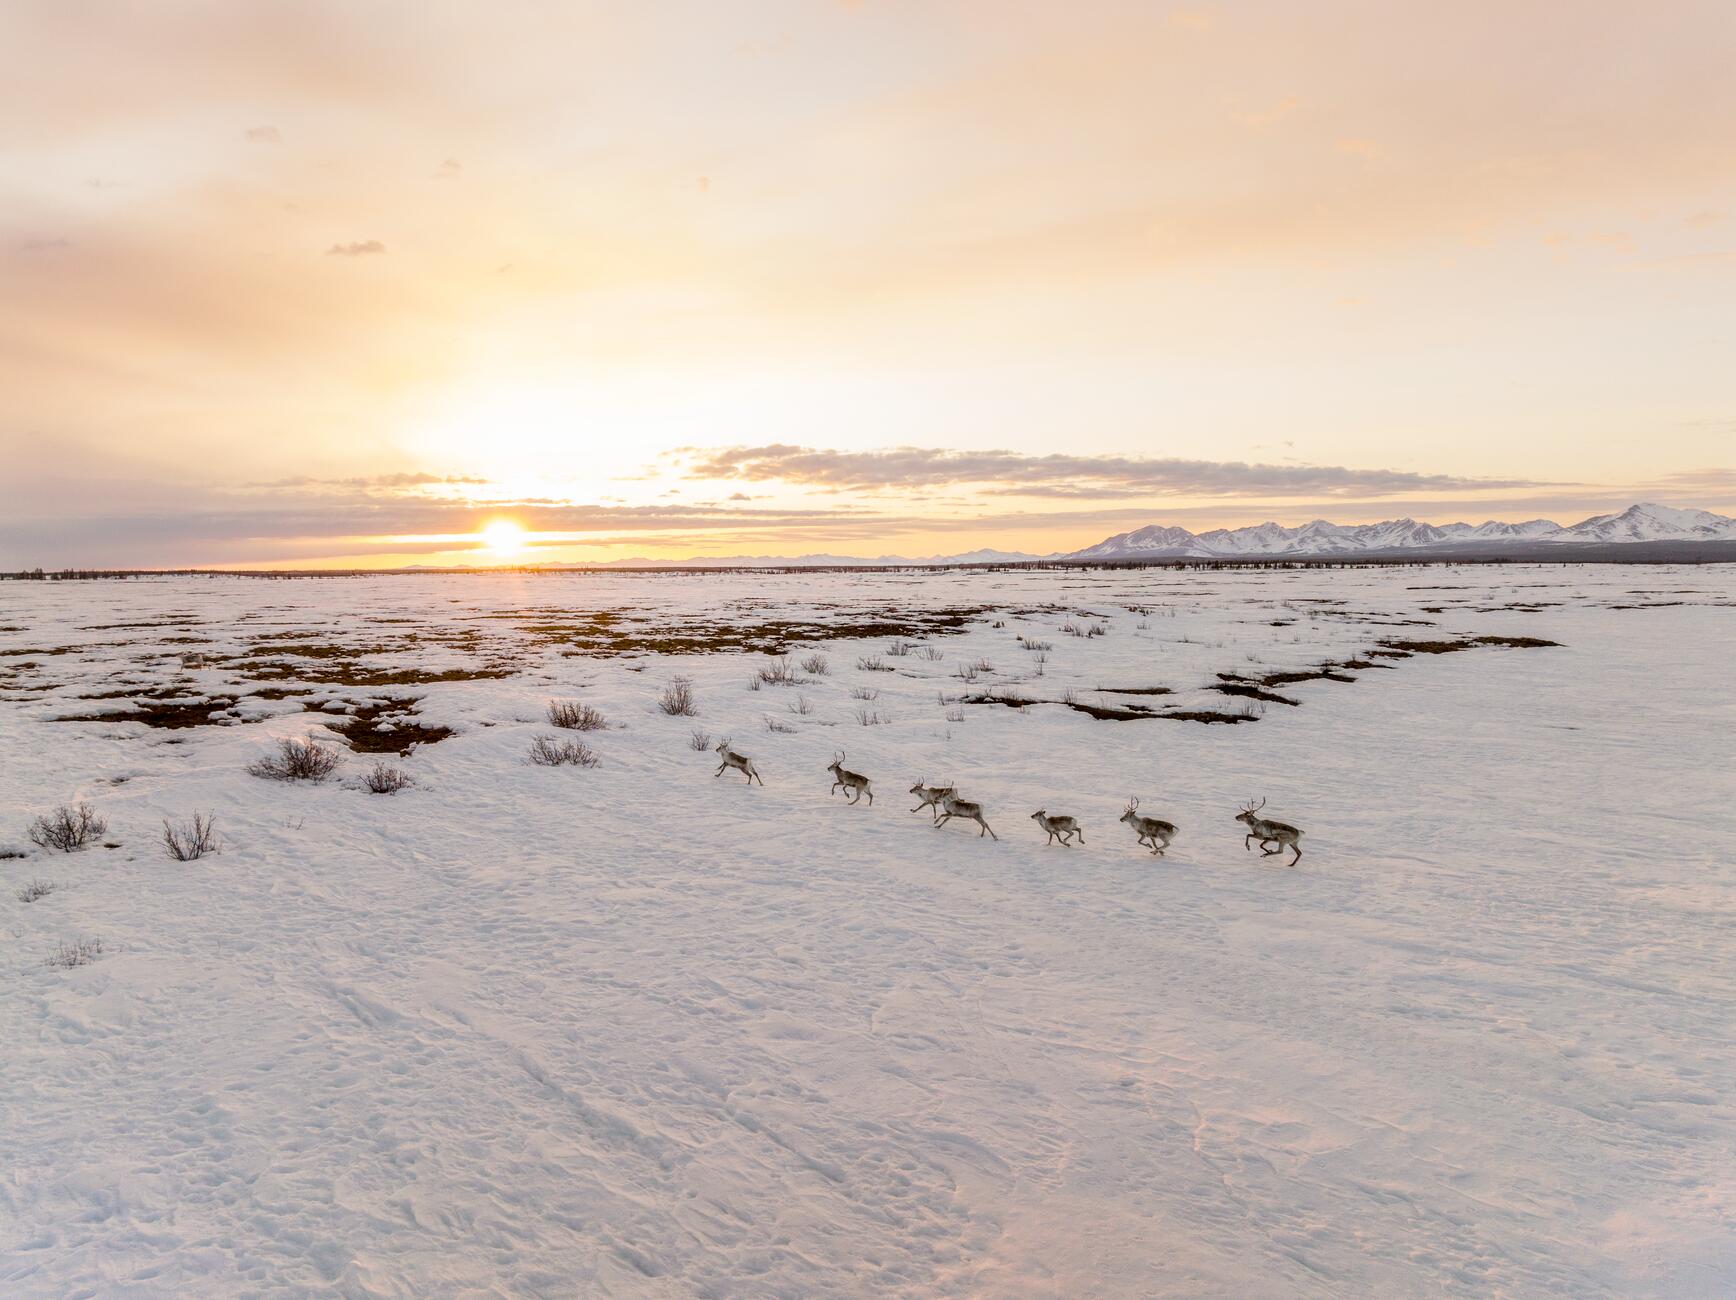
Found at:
(930, 797)
(1058, 827)
(1269, 832)
(853, 784)
(1153, 832)
(966, 811)
(740, 762)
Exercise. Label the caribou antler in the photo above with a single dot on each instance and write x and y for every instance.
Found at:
(1252, 807)
(1132, 803)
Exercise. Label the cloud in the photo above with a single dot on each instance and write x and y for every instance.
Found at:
(262, 135)
(1009, 473)
(367, 483)
(357, 248)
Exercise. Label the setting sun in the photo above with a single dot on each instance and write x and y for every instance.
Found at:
(504, 537)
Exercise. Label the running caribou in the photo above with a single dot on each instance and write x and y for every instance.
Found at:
(1153, 832)
(1061, 828)
(853, 784)
(740, 762)
(971, 812)
(930, 797)
(1268, 832)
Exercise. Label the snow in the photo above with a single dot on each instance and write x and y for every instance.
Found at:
(637, 1031)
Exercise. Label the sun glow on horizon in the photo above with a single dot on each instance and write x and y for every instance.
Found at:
(504, 538)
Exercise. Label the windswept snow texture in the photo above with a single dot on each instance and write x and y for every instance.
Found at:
(635, 1031)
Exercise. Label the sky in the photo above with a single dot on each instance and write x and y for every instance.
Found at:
(325, 284)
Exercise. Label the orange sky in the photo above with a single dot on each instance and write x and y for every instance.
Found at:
(328, 283)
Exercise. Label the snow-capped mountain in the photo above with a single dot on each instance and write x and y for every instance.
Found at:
(1639, 523)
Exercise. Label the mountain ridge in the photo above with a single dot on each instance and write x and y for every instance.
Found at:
(1642, 522)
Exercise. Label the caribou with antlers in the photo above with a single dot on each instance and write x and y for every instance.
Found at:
(1061, 828)
(852, 783)
(740, 762)
(1268, 832)
(953, 806)
(1153, 832)
(929, 797)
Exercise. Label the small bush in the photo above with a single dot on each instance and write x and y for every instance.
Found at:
(699, 741)
(80, 952)
(34, 890)
(1072, 629)
(784, 728)
(955, 714)
(779, 672)
(898, 649)
(546, 751)
(575, 717)
(800, 705)
(385, 779)
(1036, 645)
(191, 840)
(817, 665)
(68, 829)
(873, 664)
(1097, 629)
(967, 671)
(297, 760)
(864, 693)
(677, 699)
(868, 717)
(1040, 658)
(934, 654)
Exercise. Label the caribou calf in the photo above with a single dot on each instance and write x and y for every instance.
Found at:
(1282, 834)
(853, 783)
(929, 797)
(970, 812)
(1153, 832)
(740, 762)
(1058, 827)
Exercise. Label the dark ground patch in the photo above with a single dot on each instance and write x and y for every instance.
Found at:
(608, 633)
(383, 726)
(1402, 648)
(1247, 690)
(171, 715)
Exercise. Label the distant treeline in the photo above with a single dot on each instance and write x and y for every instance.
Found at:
(1662, 552)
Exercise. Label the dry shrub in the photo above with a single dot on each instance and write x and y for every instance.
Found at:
(817, 664)
(677, 699)
(874, 664)
(191, 840)
(385, 779)
(34, 890)
(68, 829)
(779, 672)
(297, 760)
(772, 724)
(80, 952)
(575, 717)
(699, 741)
(546, 751)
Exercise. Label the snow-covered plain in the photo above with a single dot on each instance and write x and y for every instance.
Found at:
(636, 1031)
